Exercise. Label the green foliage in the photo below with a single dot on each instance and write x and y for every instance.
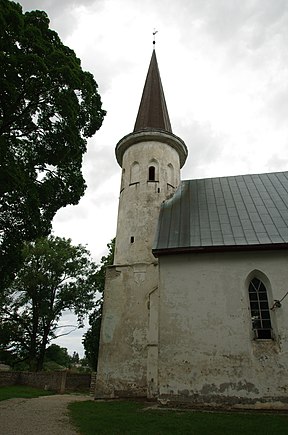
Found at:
(58, 355)
(92, 336)
(56, 276)
(131, 418)
(106, 260)
(52, 366)
(49, 107)
(75, 358)
(22, 391)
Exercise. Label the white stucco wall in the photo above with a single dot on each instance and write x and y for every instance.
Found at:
(129, 335)
(140, 199)
(207, 353)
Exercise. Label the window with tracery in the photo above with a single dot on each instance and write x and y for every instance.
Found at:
(260, 311)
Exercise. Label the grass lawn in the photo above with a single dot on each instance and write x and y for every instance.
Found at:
(21, 391)
(131, 418)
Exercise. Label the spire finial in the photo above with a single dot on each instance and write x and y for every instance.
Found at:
(154, 33)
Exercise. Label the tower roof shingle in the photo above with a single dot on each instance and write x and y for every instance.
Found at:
(153, 113)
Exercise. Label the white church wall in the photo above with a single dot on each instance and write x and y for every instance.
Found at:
(207, 351)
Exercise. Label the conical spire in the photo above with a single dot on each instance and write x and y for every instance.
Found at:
(153, 113)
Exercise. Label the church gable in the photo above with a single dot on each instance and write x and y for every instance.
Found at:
(237, 212)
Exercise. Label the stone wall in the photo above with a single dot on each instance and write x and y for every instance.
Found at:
(61, 381)
(78, 382)
(8, 378)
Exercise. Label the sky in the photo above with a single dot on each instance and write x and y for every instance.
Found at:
(224, 69)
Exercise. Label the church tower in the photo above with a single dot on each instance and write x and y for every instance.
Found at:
(150, 157)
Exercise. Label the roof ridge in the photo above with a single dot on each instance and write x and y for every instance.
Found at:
(233, 175)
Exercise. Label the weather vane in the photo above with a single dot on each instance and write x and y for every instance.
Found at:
(154, 33)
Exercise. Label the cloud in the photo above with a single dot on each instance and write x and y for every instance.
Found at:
(277, 161)
(99, 164)
(230, 31)
(204, 146)
(55, 7)
(277, 104)
(62, 13)
(72, 341)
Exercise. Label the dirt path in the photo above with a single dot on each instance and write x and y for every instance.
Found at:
(47, 415)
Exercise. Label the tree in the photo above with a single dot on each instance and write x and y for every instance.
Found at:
(92, 336)
(75, 358)
(58, 355)
(48, 108)
(56, 276)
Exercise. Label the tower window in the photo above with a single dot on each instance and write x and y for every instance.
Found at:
(170, 175)
(260, 312)
(151, 175)
(132, 239)
(135, 173)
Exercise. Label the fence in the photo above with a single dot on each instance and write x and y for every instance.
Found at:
(60, 381)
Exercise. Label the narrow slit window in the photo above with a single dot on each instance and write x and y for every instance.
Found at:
(151, 174)
(260, 312)
(132, 239)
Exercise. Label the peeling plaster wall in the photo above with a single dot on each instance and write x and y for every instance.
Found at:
(128, 353)
(207, 353)
(128, 335)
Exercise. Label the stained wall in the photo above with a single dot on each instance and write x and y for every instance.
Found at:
(207, 350)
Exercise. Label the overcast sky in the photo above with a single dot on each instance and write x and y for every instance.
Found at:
(224, 69)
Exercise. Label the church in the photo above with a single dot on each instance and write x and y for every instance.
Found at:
(195, 308)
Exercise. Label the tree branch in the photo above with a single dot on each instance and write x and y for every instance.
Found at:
(66, 333)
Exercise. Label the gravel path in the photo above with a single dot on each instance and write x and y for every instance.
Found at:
(46, 415)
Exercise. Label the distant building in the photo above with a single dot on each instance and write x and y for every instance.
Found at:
(192, 307)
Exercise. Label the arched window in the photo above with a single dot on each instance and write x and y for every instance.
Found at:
(151, 174)
(260, 311)
(135, 173)
(153, 170)
(170, 174)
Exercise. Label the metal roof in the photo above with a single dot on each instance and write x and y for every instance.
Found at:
(237, 212)
(153, 111)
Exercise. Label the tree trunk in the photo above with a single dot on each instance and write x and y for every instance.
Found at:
(35, 326)
(42, 350)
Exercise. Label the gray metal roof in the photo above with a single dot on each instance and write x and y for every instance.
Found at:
(237, 212)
